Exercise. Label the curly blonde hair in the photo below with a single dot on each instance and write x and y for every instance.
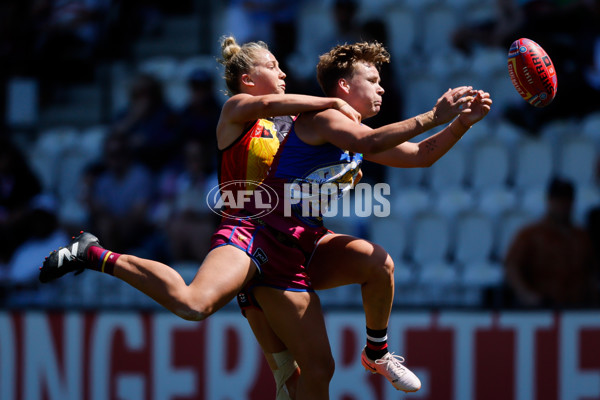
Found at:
(238, 60)
(340, 62)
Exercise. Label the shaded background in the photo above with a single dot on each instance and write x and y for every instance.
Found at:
(108, 113)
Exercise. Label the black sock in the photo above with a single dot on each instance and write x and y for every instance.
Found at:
(376, 343)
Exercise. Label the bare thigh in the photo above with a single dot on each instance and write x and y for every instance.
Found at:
(224, 272)
(343, 260)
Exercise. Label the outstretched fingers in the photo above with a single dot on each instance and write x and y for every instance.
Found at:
(479, 107)
(450, 104)
(459, 92)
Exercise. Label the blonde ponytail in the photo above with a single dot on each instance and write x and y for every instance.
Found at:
(238, 60)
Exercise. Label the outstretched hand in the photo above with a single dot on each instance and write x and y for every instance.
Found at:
(452, 103)
(350, 112)
(476, 109)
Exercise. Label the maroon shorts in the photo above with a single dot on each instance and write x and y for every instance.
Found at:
(280, 259)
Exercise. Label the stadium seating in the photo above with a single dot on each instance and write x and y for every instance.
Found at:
(451, 223)
(429, 241)
(590, 127)
(577, 160)
(489, 165)
(448, 172)
(506, 229)
(473, 238)
(533, 164)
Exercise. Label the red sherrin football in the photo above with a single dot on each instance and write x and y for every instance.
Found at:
(532, 72)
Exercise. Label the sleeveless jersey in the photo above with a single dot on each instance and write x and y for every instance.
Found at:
(306, 178)
(248, 159)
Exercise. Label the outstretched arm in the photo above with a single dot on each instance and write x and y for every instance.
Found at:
(327, 126)
(428, 151)
(447, 107)
(243, 108)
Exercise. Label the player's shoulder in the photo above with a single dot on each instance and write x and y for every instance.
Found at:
(235, 100)
(321, 117)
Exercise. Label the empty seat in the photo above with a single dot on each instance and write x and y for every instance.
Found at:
(590, 127)
(437, 273)
(447, 172)
(453, 201)
(429, 239)
(533, 201)
(409, 202)
(390, 233)
(347, 295)
(482, 274)
(404, 273)
(577, 160)
(474, 238)
(508, 133)
(496, 201)
(556, 131)
(533, 164)
(481, 130)
(403, 178)
(506, 229)
(489, 166)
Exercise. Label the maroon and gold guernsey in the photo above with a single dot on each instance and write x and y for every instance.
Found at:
(250, 156)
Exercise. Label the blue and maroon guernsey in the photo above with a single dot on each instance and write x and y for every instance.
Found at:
(305, 175)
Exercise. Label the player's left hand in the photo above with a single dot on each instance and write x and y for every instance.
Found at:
(475, 110)
(451, 103)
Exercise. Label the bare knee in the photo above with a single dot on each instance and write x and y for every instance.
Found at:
(383, 263)
(320, 372)
(193, 308)
(191, 314)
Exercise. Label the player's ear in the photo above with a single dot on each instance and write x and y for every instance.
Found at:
(344, 85)
(247, 80)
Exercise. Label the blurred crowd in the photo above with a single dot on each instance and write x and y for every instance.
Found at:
(145, 193)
